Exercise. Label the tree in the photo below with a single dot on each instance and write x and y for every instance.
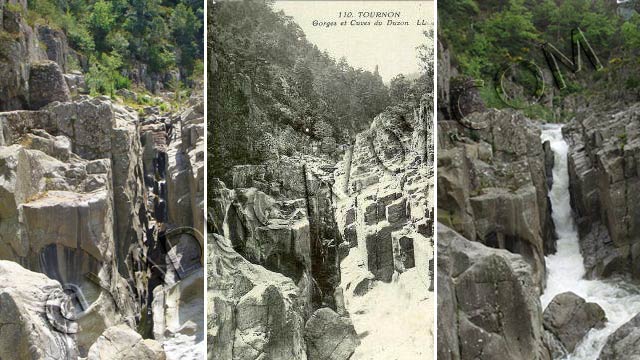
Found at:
(101, 23)
(185, 28)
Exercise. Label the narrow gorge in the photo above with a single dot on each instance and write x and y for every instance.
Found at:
(100, 206)
(537, 249)
(320, 208)
(308, 256)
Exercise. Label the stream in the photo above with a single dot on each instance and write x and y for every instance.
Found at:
(565, 269)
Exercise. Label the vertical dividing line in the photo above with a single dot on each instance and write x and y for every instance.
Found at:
(434, 163)
(206, 168)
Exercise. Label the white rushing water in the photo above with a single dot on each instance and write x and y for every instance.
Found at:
(565, 269)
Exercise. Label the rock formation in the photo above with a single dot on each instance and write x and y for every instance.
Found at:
(495, 227)
(622, 344)
(492, 186)
(82, 205)
(285, 231)
(603, 175)
(487, 302)
(569, 318)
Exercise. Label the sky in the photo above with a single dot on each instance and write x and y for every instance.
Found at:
(392, 48)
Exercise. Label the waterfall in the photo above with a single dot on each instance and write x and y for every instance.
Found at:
(565, 269)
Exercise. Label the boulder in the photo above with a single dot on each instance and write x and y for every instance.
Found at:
(253, 312)
(569, 317)
(46, 85)
(488, 305)
(31, 326)
(330, 336)
(623, 343)
(122, 343)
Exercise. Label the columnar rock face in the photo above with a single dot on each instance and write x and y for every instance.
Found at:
(185, 180)
(74, 206)
(623, 343)
(569, 318)
(253, 312)
(383, 187)
(29, 327)
(56, 45)
(19, 46)
(172, 149)
(492, 185)
(488, 305)
(604, 148)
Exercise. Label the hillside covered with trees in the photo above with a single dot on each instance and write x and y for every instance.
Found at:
(483, 36)
(129, 43)
(273, 92)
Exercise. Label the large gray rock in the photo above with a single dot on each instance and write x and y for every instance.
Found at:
(603, 171)
(330, 336)
(623, 343)
(492, 185)
(46, 85)
(488, 305)
(19, 46)
(122, 343)
(56, 45)
(29, 327)
(569, 317)
(253, 312)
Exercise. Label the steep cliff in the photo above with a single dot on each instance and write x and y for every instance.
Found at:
(79, 203)
(603, 175)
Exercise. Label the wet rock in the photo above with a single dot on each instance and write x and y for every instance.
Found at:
(121, 343)
(330, 336)
(622, 344)
(46, 85)
(569, 317)
(487, 302)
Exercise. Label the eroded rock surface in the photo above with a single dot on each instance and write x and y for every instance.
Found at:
(623, 343)
(122, 343)
(604, 146)
(569, 317)
(26, 322)
(253, 312)
(492, 185)
(488, 305)
(330, 336)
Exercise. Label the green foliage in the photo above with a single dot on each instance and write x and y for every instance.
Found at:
(265, 77)
(103, 76)
(484, 36)
(164, 35)
(185, 28)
